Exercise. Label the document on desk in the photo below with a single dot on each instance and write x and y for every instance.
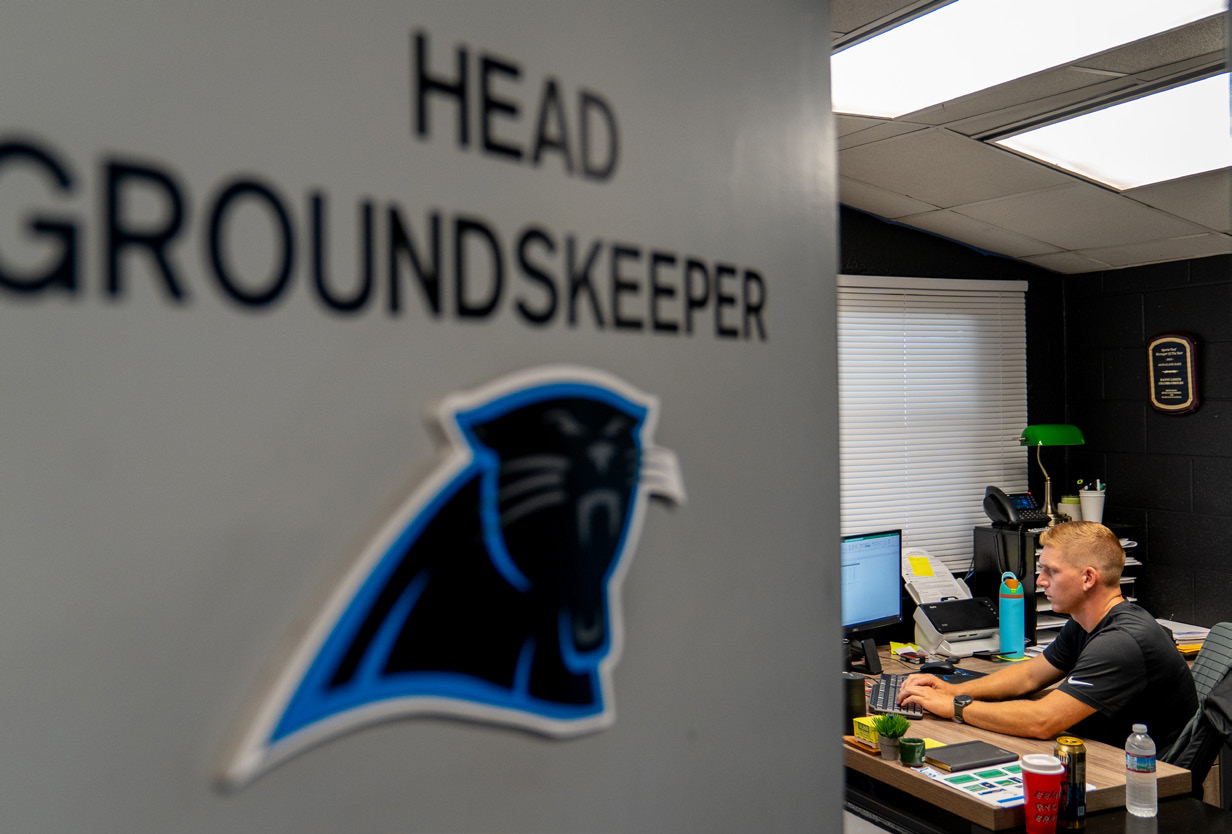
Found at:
(1000, 786)
(930, 579)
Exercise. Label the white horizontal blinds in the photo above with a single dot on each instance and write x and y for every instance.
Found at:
(932, 399)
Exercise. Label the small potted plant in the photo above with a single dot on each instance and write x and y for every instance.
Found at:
(890, 728)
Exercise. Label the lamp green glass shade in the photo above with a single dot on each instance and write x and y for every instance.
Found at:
(1052, 434)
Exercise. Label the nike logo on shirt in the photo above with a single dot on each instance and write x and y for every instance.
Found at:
(1073, 681)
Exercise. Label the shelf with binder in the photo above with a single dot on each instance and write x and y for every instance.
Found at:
(1129, 578)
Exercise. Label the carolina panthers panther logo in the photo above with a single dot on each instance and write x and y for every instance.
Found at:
(493, 593)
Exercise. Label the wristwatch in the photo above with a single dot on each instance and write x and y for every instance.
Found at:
(960, 701)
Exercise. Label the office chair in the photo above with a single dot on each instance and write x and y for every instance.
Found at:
(1199, 743)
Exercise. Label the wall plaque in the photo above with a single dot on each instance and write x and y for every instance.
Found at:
(1172, 366)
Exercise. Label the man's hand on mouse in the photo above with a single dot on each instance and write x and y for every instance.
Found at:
(930, 692)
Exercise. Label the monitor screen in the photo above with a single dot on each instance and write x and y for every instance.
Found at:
(872, 580)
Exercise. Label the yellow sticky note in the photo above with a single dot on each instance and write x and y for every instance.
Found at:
(920, 566)
(930, 743)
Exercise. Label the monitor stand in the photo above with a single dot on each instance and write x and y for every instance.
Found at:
(862, 656)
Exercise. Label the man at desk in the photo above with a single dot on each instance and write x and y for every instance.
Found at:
(1116, 665)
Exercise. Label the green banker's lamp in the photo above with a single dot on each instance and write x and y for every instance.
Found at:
(1050, 434)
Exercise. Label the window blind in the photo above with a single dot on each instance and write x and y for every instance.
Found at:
(932, 400)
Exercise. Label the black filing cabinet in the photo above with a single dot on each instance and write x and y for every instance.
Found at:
(997, 550)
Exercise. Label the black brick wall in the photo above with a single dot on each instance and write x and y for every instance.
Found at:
(1169, 475)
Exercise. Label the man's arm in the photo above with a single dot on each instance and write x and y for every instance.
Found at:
(1011, 682)
(1040, 718)
(1032, 718)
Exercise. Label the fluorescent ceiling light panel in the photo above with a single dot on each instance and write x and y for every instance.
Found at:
(971, 45)
(1174, 133)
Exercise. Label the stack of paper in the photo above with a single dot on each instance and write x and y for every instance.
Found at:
(1189, 638)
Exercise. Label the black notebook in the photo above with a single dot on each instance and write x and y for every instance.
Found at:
(967, 755)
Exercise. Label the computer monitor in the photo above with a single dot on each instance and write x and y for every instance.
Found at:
(872, 590)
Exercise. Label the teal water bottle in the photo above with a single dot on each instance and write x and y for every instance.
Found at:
(1012, 616)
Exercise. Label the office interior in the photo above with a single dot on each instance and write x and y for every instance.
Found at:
(924, 195)
(1086, 338)
(194, 475)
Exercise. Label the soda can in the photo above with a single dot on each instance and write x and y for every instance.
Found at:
(1072, 810)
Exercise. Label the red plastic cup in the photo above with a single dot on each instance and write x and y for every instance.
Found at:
(1041, 788)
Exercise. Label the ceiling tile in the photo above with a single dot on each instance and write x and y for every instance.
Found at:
(848, 15)
(878, 201)
(847, 125)
(1202, 198)
(1067, 262)
(977, 233)
(1157, 251)
(1208, 64)
(1198, 38)
(876, 132)
(944, 169)
(1032, 94)
(1027, 99)
(1080, 216)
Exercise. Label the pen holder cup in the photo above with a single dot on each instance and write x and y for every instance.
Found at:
(911, 751)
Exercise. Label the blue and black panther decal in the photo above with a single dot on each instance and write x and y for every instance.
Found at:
(493, 594)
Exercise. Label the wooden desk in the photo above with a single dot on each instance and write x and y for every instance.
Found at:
(1105, 764)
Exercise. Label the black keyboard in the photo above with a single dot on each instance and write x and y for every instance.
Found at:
(883, 698)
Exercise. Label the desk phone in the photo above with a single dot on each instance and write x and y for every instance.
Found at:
(1017, 510)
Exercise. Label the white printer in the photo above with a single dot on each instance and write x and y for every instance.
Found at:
(948, 621)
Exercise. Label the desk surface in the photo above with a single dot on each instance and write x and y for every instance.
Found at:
(1105, 764)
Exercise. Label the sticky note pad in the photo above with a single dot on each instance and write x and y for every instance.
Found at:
(920, 566)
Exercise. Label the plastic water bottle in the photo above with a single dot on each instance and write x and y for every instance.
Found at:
(1011, 616)
(1140, 791)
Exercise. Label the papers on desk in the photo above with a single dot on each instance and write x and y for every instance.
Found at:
(999, 786)
(1188, 638)
(1184, 632)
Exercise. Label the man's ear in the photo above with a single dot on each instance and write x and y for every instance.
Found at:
(1090, 578)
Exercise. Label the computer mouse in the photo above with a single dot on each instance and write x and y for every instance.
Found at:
(938, 667)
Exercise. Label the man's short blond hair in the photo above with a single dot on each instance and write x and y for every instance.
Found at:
(1087, 543)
